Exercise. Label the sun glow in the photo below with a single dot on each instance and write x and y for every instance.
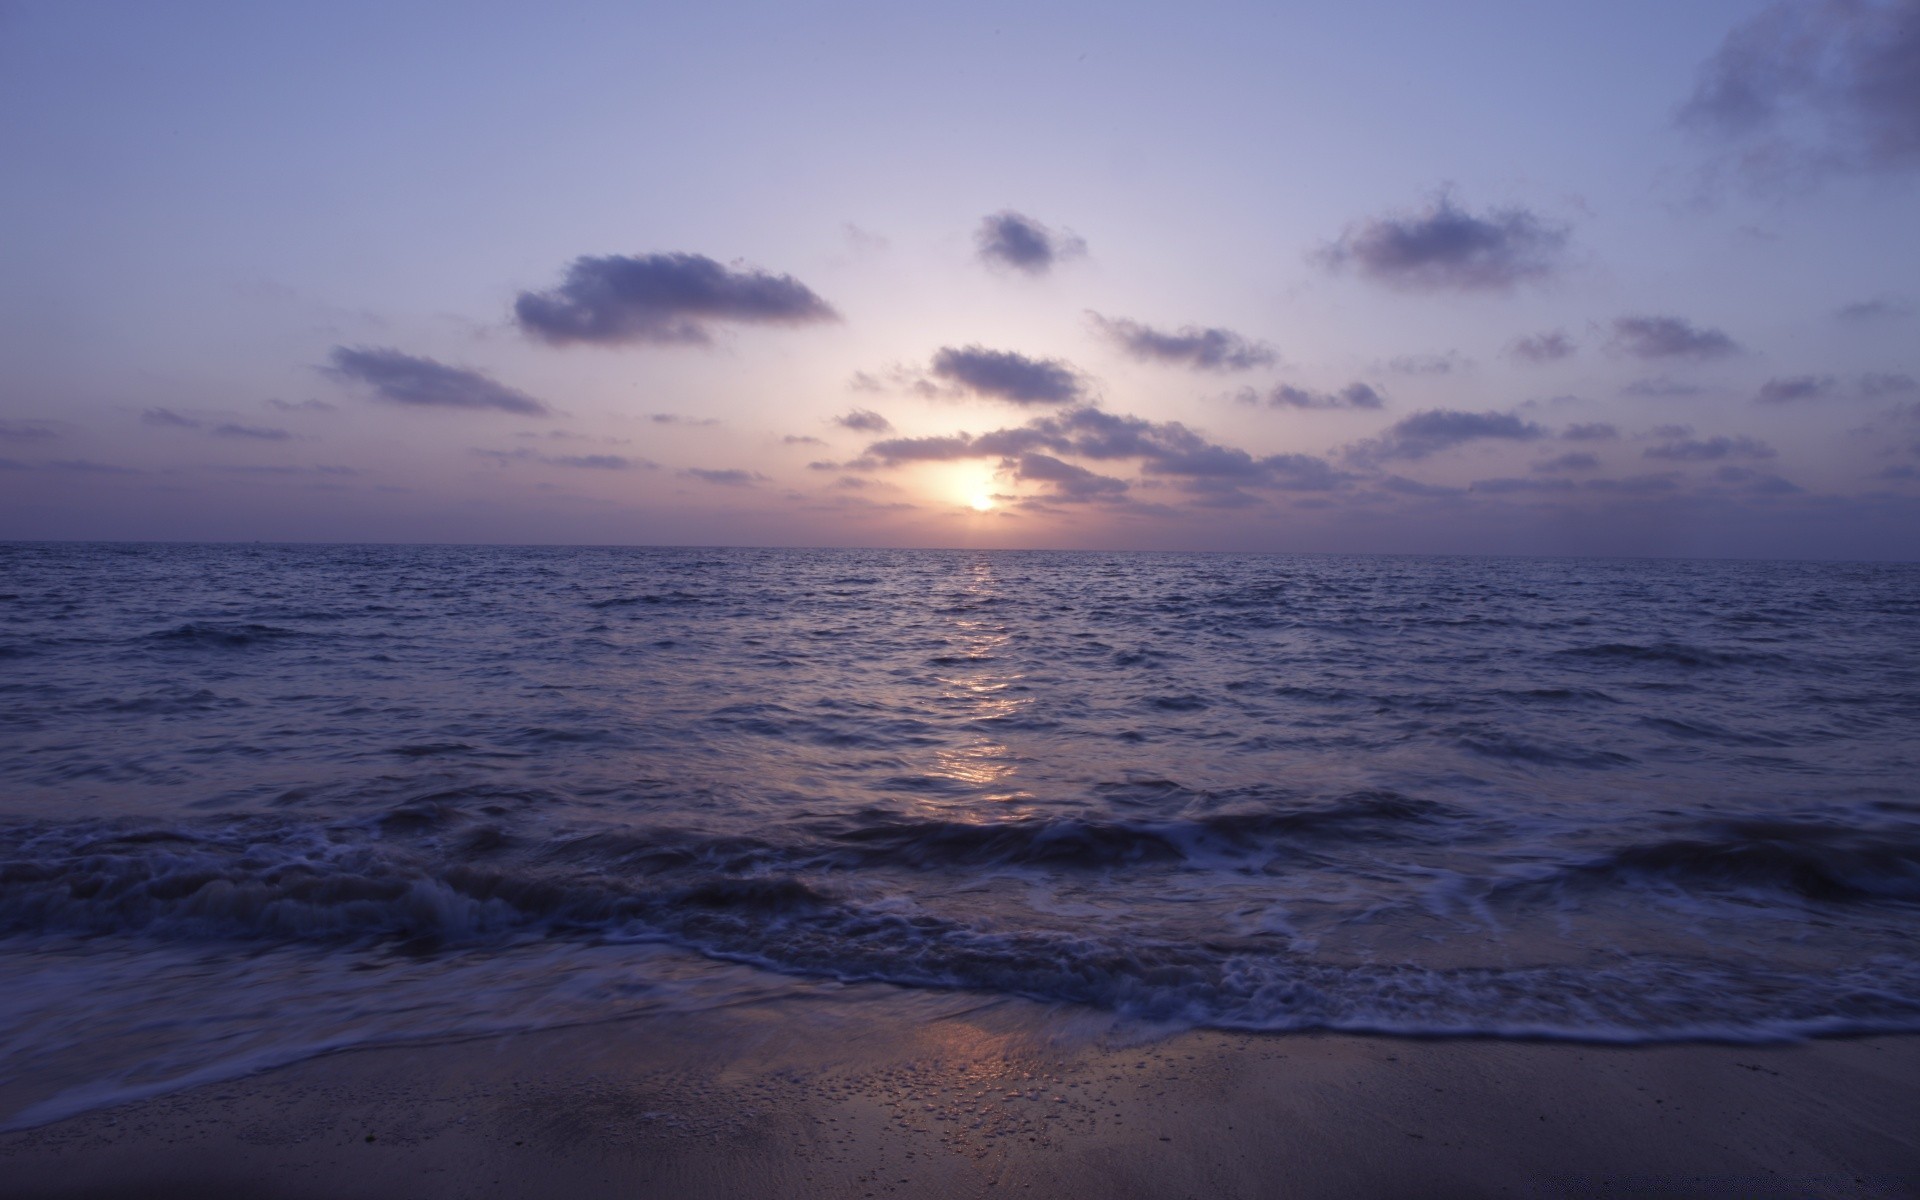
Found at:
(981, 502)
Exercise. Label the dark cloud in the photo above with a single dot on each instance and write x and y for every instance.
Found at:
(1758, 482)
(27, 431)
(1875, 386)
(1503, 487)
(725, 477)
(1712, 449)
(1798, 387)
(1903, 472)
(1401, 485)
(677, 419)
(1593, 431)
(256, 432)
(1444, 247)
(1161, 448)
(423, 383)
(1815, 86)
(1635, 485)
(864, 420)
(1880, 308)
(1669, 337)
(1354, 395)
(1004, 375)
(1192, 346)
(662, 299)
(1578, 460)
(166, 418)
(799, 439)
(1427, 364)
(1543, 347)
(588, 462)
(1438, 429)
(1007, 239)
(1069, 482)
(308, 405)
(1661, 388)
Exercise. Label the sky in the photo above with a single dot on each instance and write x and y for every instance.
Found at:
(1466, 277)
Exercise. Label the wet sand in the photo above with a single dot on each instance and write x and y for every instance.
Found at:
(905, 1097)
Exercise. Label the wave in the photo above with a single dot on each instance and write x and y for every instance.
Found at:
(1802, 859)
(222, 636)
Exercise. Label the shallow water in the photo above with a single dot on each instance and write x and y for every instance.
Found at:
(260, 801)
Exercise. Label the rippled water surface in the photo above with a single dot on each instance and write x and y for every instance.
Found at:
(261, 801)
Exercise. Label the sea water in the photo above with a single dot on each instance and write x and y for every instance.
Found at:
(259, 802)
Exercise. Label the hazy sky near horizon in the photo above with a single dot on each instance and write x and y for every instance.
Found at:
(1504, 277)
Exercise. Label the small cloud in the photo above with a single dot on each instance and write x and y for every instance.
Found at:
(1875, 386)
(1880, 308)
(1804, 90)
(1905, 472)
(1799, 387)
(1502, 487)
(1669, 337)
(1711, 449)
(1661, 388)
(27, 431)
(800, 439)
(1593, 431)
(424, 383)
(1004, 375)
(677, 419)
(300, 405)
(1543, 347)
(1354, 395)
(864, 420)
(256, 432)
(1430, 432)
(1443, 247)
(1635, 485)
(1427, 364)
(1203, 349)
(1757, 482)
(662, 299)
(727, 477)
(166, 418)
(598, 462)
(1007, 239)
(1578, 460)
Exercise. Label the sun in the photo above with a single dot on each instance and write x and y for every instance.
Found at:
(981, 502)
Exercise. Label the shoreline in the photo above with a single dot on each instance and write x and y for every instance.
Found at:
(888, 1093)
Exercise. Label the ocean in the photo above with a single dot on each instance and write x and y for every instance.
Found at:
(263, 802)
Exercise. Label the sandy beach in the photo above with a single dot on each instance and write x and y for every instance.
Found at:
(892, 1094)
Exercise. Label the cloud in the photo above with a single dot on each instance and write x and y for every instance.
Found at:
(1503, 487)
(1814, 87)
(1880, 308)
(166, 418)
(587, 462)
(1427, 433)
(27, 431)
(1757, 482)
(1354, 395)
(662, 299)
(800, 439)
(1007, 239)
(424, 383)
(1635, 485)
(1711, 449)
(1444, 247)
(1427, 364)
(1004, 375)
(301, 405)
(256, 432)
(726, 477)
(1875, 386)
(1069, 482)
(1661, 389)
(677, 419)
(1669, 337)
(864, 420)
(1543, 347)
(1799, 387)
(1161, 448)
(1593, 431)
(1578, 460)
(1206, 349)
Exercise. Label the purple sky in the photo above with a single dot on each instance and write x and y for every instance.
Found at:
(1497, 277)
